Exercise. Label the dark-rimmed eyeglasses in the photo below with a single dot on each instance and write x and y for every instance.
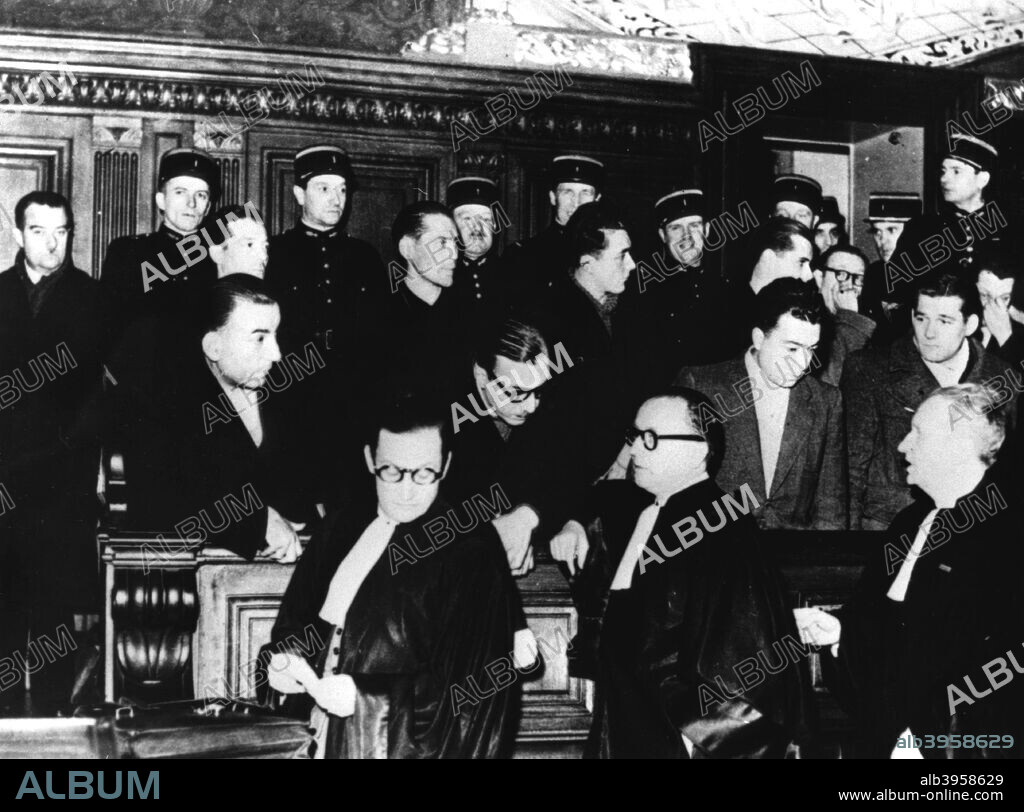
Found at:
(520, 396)
(651, 438)
(420, 476)
(857, 279)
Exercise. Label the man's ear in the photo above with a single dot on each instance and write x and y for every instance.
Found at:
(161, 201)
(406, 248)
(664, 235)
(217, 252)
(984, 181)
(480, 376)
(972, 323)
(213, 345)
(368, 457)
(300, 195)
(19, 237)
(757, 336)
(552, 197)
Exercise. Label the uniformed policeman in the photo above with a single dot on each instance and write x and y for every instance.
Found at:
(477, 271)
(888, 214)
(796, 197)
(331, 288)
(323, 279)
(681, 302)
(534, 265)
(966, 221)
(159, 274)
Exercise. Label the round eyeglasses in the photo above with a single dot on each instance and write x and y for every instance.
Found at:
(651, 438)
(420, 476)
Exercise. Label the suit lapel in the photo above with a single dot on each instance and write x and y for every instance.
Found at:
(746, 434)
(801, 417)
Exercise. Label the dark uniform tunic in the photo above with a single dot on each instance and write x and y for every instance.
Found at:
(681, 317)
(953, 237)
(331, 288)
(123, 275)
(533, 266)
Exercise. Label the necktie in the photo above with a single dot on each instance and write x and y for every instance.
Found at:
(898, 590)
(641, 533)
(354, 569)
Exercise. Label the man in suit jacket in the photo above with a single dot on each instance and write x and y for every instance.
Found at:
(921, 651)
(206, 453)
(883, 387)
(52, 340)
(999, 333)
(783, 427)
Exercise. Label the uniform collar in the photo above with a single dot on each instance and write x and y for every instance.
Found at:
(317, 233)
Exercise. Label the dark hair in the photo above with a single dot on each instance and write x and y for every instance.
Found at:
(699, 408)
(852, 250)
(777, 236)
(800, 300)
(225, 294)
(404, 412)
(513, 339)
(585, 230)
(53, 200)
(409, 221)
(950, 284)
(217, 224)
(997, 261)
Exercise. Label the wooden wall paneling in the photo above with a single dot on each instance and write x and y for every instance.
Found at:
(228, 150)
(391, 171)
(116, 143)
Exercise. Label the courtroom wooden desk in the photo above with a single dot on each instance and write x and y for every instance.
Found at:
(183, 621)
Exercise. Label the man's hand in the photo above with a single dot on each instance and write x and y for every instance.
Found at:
(281, 676)
(847, 297)
(335, 693)
(282, 540)
(524, 650)
(817, 627)
(997, 319)
(571, 546)
(514, 530)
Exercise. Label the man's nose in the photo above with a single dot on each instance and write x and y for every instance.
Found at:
(929, 329)
(51, 242)
(273, 350)
(407, 486)
(531, 403)
(805, 273)
(630, 264)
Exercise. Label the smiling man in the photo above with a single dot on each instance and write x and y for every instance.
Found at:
(52, 340)
(883, 387)
(783, 427)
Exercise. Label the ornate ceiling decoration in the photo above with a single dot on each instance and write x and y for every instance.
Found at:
(650, 37)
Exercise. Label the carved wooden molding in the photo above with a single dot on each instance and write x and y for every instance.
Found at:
(371, 93)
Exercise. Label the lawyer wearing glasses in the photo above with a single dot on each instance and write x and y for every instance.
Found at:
(689, 596)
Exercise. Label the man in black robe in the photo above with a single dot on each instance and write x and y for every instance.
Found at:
(693, 604)
(921, 651)
(53, 335)
(417, 624)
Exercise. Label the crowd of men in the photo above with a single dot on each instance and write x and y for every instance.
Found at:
(258, 385)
